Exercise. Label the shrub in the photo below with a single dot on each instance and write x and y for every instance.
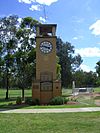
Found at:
(10, 103)
(58, 101)
(36, 102)
(18, 100)
(66, 100)
(28, 100)
(31, 101)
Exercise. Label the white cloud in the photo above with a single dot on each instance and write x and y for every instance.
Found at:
(95, 28)
(75, 38)
(85, 68)
(80, 37)
(88, 52)
(42, 19)
(35, 8)
(44, 2)
(26, 1)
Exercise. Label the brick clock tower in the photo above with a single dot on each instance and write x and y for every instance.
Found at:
(46, 86)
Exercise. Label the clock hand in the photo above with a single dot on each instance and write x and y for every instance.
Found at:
(46, 47)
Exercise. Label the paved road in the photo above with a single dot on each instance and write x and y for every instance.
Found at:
(62, 110)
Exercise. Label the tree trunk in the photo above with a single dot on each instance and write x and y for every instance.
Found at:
(7, 85)
(22, 93)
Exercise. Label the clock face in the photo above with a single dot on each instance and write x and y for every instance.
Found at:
(46, 47)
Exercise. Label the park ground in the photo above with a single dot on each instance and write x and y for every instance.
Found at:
(80, 122)
(88, 122)
(91, 100)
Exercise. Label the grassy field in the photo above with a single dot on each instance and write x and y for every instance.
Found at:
(50, 123)
(28, 93)
(13, 94)
(97, 89)
(47, 123)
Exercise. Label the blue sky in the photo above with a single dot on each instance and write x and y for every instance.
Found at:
(78, 22)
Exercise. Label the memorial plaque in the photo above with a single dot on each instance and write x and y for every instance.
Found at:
(46, 86)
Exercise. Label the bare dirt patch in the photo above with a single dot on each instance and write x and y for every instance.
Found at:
(72, 102)
(86, 98)
(97, 98)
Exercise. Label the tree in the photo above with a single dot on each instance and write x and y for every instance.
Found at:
(85, 79)
(90, 79)
(68, 61)
(1, 65)
(98, 68)
(9, 41)
(79, 78)
(58, 68)
(98, 72)
(26, 54)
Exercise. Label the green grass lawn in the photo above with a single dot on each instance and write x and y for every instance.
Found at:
(50, 123)
(66, 92)
(97, 89)
(13, 94)
(28, 93)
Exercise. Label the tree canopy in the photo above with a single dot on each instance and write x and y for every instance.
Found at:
(98, 72)
(68, 61)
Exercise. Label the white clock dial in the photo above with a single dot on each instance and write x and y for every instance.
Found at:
(46, 47)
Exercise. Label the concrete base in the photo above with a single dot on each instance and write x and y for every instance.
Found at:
(45, 91)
